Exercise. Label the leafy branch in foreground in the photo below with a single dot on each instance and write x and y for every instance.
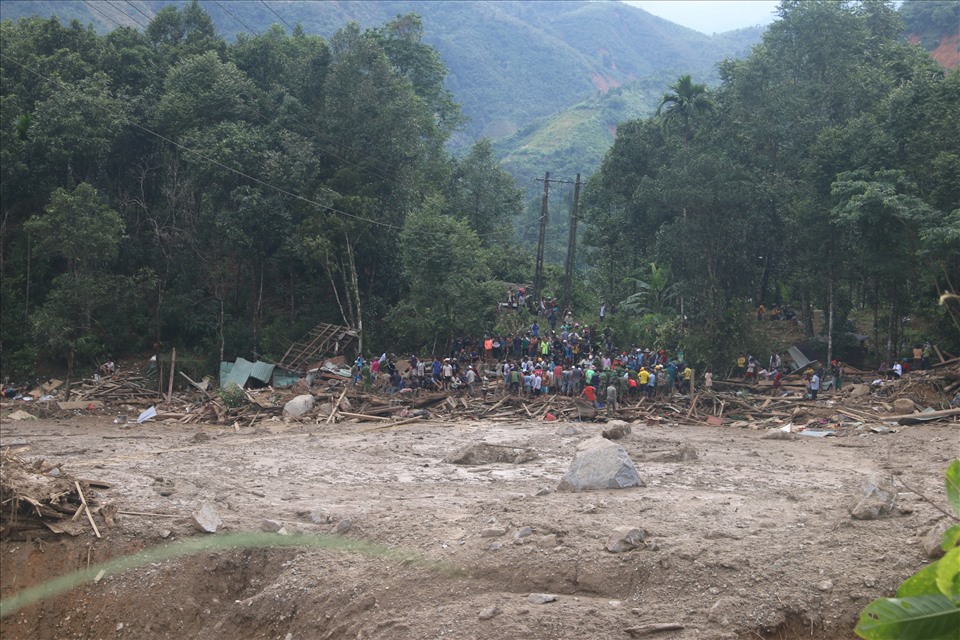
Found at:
(927, 604)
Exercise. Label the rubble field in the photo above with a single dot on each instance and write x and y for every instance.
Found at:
(450, 524)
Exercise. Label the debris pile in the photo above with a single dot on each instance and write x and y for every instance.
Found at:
(38, 499)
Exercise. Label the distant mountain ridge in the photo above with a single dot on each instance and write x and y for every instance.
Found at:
(509, 62)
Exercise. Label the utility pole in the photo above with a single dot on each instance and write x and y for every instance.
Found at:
(538, 274)
(571, 248)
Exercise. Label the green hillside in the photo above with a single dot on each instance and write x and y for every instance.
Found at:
(509, 62)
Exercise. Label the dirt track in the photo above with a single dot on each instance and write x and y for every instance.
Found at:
(750, 538)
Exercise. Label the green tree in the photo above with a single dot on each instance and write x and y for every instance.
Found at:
(83, 234)
(483, 193)
(683, 104)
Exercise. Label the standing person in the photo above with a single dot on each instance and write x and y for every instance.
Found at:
(777, 381)
(611, 400)
(447, 373)
(917, 358)
(651, 383)
(814, 386)
(603, 311)
(471, 378)
(367, 374)
(437, 371)
(741, 365)
(761, 310)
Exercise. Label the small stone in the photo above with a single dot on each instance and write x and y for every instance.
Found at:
(495, 546)
(165, 533)
(540, 598)
(259, 494)
(590, 508)
(825, 586)
(544, 491)
(270, 525)
(869, 581)
(207, 519)
(493, 532)
(550, 541)
(625, 539)
(320, 518)
(932, 539)
(877, 497)
(523, 533)
(343, 526)
(120, 627)
(489, 612)
(567, 430)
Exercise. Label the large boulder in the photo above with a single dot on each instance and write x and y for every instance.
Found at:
(299, 406)
(600, 464)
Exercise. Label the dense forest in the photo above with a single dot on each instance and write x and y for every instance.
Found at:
(166, 186)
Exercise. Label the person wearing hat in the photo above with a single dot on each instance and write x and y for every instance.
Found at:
(471, 378)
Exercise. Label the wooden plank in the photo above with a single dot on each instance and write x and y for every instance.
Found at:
(363, 416)
(87, 509)
(84, 404)
(393, 424)
(333, 411)
(173, 364)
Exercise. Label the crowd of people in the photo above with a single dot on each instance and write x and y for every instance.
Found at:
(570, 359)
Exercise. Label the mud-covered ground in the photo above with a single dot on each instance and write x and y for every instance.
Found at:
(748, 537)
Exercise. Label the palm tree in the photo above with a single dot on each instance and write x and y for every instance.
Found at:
(685, 101)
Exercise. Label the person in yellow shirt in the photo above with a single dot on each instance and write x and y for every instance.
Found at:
(687, 379)
(643, 377)
(741, 365)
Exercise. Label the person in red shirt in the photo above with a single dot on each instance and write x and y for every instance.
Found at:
(590, 393)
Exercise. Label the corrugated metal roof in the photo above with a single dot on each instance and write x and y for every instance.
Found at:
(239, 373)
(262, 371)
(242, 370)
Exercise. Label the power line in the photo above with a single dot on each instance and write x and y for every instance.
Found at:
(216, 2)
(66, 87)
(113, 20)
(142, 26)
(139, 10)
(276, 14)
(209, 159)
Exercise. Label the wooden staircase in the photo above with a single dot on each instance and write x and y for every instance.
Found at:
(323, 339)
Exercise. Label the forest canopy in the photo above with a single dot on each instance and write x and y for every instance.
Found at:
(168, 187)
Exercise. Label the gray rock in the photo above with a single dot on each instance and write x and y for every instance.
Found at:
(825, 586)
(495, 546)
(567, 430)
(600, 464)
(549, 541)
(207, 519)
(625, 539)
(493, 532)
(877, 497)
(544, 491)
(317, 517)
(777, 434)
(343, 526)
(489, 612)
(165, 533)
(299, 406)
(541, 598)
(932, 539)
(523, 533)
(270, 525)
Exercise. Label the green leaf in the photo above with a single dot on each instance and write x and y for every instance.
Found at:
(922, 583)
(948, 573)
(950, 538)
(953, 486)
(926, 617)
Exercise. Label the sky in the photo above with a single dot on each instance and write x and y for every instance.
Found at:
(711, 16)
